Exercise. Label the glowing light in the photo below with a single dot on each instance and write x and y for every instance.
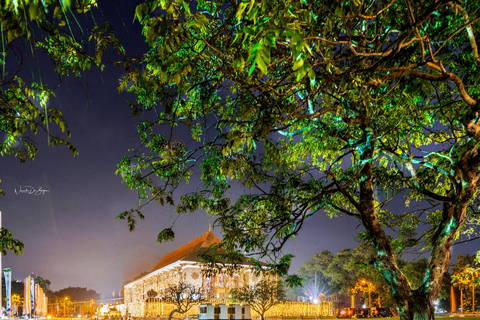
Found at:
(296, 309)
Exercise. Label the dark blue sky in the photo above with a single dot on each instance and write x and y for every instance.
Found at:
(70, 233)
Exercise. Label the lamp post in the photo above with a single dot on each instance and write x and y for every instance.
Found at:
(65, 306)
(369, 295)
(92, 304)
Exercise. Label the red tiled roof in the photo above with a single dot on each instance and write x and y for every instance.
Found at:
(190, 251)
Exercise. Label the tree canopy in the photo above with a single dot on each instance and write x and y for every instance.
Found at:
(43, 283)
(351, 271)
(79, 294)
(313, 106)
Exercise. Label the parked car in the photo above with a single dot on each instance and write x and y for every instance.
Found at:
(355, 313)
(365, 313)
(381, 312)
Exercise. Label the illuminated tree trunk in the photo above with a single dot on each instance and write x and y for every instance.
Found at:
(418, 308)
(416, 304)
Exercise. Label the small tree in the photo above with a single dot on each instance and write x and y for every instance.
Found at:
(261, 296)
(184, 296)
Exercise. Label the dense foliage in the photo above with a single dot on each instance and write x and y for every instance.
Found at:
(352, 271)
(73, 294)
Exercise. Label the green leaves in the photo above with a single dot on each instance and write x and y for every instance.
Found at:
(259, 56)
(131, 217)
(302, 69)
(21, 115)
(9, 244)
(166, 235)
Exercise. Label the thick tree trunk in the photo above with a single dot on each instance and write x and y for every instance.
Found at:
(411, 304)
(418, 307)
(417, 304)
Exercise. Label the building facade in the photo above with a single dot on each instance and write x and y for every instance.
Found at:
(183, 265)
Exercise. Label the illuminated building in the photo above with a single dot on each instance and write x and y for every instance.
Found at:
(184, 265)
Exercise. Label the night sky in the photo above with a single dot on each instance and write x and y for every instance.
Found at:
(70, 233)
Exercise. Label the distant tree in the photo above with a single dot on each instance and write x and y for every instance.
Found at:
(74, 294)
(464, 260)
(312, 272)
(43, 283)
(184, 296)
(18, 287)
(311, 288)
(261, 296)
(339, 274)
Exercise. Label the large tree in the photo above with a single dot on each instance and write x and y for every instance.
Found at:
(336, 107)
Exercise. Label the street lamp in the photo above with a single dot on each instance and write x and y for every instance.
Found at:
(360, 287)
(369, 295)
(92, 303)
(65, 306)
